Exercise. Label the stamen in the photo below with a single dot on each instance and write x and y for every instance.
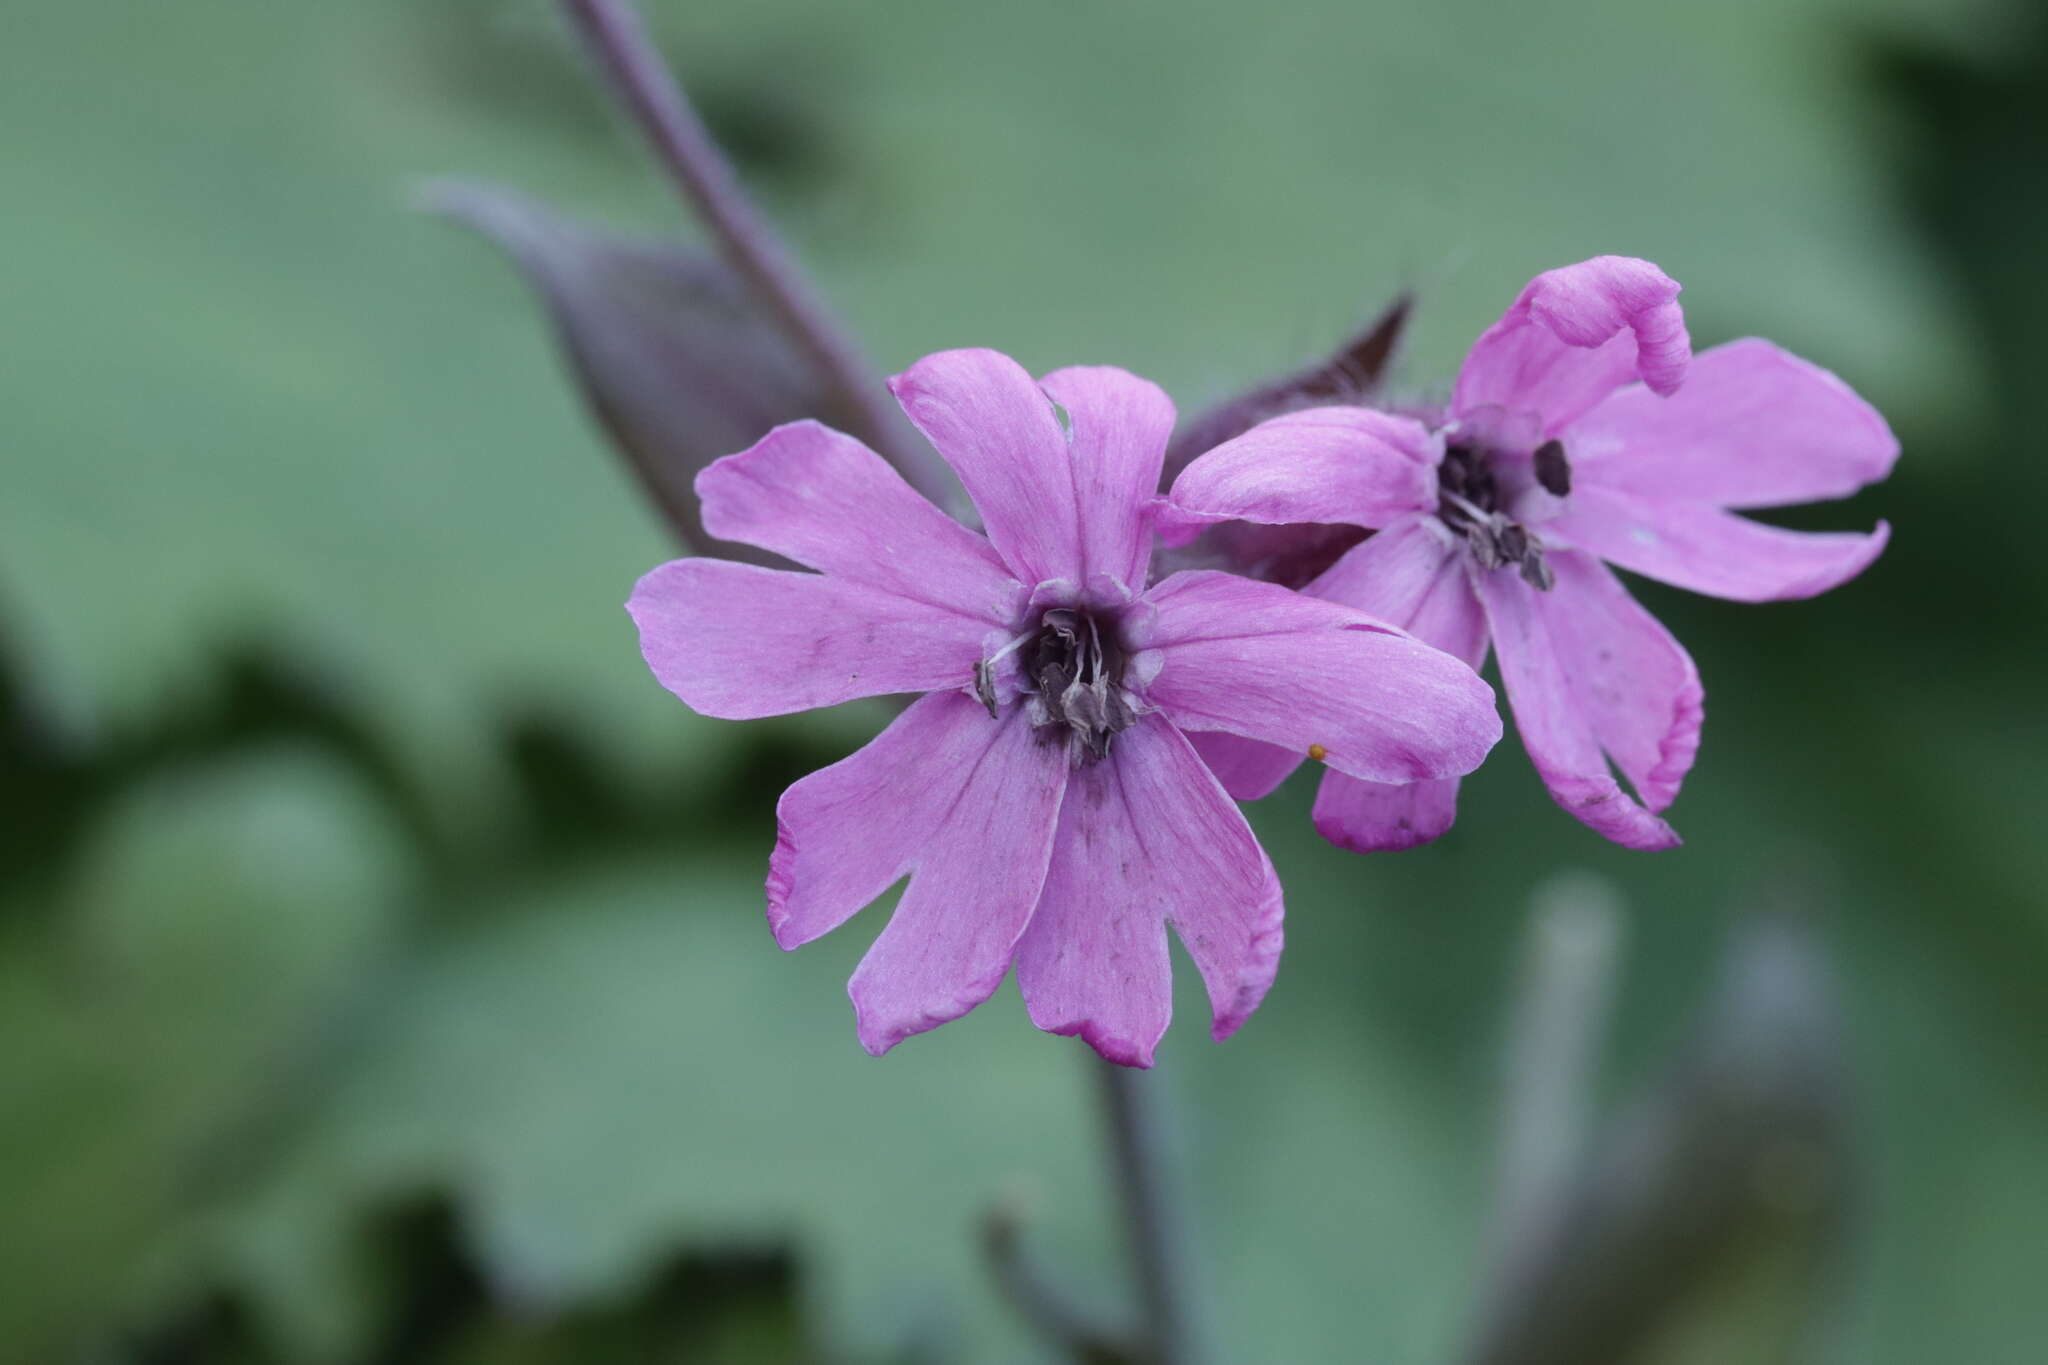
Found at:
(1075, 668)
(985, 672)
(1468, 503)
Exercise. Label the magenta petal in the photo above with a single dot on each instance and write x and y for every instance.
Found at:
(966, 805)
(1754, 426)
(1148, 838)
(1575, 335)
(1593, 677)
(998, 430)
(738, 642)
(1119, 425)
(1259, 661)
(1413, 576)
(1379, 817)
(1248, 770)
(1701, 547)
(1349, 465)
(823, 499)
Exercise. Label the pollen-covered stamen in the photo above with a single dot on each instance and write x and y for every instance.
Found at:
(1469, 500)
(1074, 666)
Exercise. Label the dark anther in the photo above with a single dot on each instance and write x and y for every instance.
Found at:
(1075, 665)
(1466, 483)
(1553, 470)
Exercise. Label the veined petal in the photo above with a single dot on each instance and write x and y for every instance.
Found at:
(738, 642)
(1575, 335)
(1118, 427)
(1148, 838)
(1414, 576)
(1594, 677)
(1268, 664)
(1247, 769)
(996, 427)
(1411, 575)
(966, 805)
(1340, 464)
(1700, 547)
(1754, 426)
(823, 499)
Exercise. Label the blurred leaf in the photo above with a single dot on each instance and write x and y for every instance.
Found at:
(673, 357)
(170, 1013)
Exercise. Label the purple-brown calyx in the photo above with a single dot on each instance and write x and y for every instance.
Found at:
(1474, 485)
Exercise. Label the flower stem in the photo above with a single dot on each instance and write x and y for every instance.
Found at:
(1154, 1228)
(619, 40)
(1557, 1023)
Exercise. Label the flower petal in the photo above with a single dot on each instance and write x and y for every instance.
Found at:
(1594, 677)
(998, 430)
(1754, 426)
(966, 805)
(825, 500)
(1700, 547)
(737, 641)
(1575, 335)
(1380, 817)
(1348, 465)
(1247, 769)
(1259, 661)
(1414, 576)
(1118, 425)
(1148, 838)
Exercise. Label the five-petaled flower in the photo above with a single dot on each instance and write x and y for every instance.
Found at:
(1043, 796)
(1580, 429)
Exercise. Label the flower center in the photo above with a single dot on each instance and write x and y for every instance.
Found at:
(1475, 482)
(1073, 670)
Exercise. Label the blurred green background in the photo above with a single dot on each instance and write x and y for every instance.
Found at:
(382, 971)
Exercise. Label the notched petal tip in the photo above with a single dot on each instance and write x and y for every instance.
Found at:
(1613, 814)
(1262, 964)
(1134, 1053)
(879, 1031)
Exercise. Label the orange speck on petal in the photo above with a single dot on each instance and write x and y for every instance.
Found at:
(1318, 752)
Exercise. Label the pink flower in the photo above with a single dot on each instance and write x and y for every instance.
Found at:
(1042, 796)
(1568, 440)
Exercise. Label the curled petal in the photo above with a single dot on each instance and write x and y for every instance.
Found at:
(1350, 465)
(1118, 425)
(1574, 336)
(1413, 576)
(998, 430)
(1593, 677)
(1145, 840)
(966, 805)
(1754, 426)
(739, 642)
(1700, 547)
(1259, 661)
(825, 500)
